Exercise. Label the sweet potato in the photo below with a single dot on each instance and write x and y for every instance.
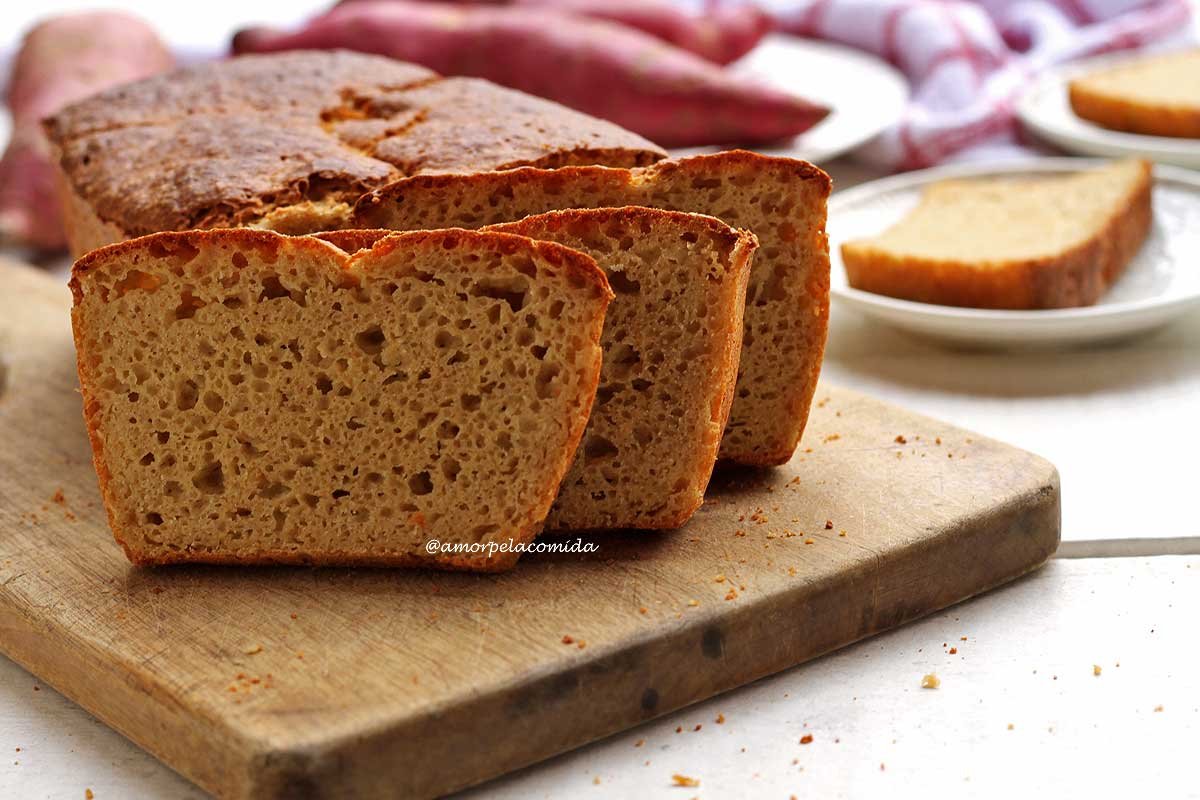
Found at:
(608, 70)
(722, 34)
(62, 60)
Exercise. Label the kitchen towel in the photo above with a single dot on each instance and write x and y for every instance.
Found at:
(968, 62)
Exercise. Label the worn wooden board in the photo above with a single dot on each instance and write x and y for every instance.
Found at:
(295, 683)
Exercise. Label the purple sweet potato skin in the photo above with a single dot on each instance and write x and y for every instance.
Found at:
(666, 94)
(61, 60)
(722, 34)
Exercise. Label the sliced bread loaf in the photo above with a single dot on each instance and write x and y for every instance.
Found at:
(1155, 95)
(289, 141)
(253, 397)
(1017, 243)
(671, 342)
(781, 201)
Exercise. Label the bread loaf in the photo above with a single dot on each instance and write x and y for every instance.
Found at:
(782, 201)
(290, 141)
(253, 397)
(671, 342)
(1020, 243)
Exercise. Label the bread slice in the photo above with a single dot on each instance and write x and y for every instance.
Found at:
(671, 340)
(253, 397)
(289, 142)
(1018, 243)
(782, 201)
(1155, 95)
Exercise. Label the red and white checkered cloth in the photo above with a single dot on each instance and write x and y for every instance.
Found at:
(969, 62)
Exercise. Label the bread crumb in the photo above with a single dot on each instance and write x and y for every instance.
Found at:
(582, 644)
(684, 780)
(698, 727)
(1158, 708)
(643, 610)
(930, 681)
(596, 780)
(679, 729)
(59, 497)
(731, 594)
(954, 651)
(833, 437)
(1010, 726)
(253, 651)
(1095, 669)
(806, 738)
(720, 719)
(639, 743)
(828, 524)
(293, 615)
(568, 639)
(693, 603)
(900, 439)
(809, 541)
(843, 533)
(719, 579)
(87, 793)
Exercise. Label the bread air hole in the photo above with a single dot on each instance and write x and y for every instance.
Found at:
(136, 279)
(597, 448)
(420, 484)
(186, 395)
(511, 290)
(210, 479)
(370, 341)
(623, 284)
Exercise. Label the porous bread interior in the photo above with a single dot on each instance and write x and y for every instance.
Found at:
(1171, 80)
(781, 201)
(278, 402)
(671, 340)
(989, 223)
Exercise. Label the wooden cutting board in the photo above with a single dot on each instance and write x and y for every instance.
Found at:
(298, 683)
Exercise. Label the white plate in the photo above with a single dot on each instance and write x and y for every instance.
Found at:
(1045, 110)
(1162, 281)
(866, 95)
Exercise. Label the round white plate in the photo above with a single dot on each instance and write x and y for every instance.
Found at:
(865, 93)
(1045, 110)
(1162, 281)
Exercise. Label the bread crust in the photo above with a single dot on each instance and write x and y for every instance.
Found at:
(1075, 277)
(580, 266)
(809, 333)
(290, 141)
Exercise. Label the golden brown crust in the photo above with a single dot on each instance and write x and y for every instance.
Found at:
(579, 266)
(351, 241)
(247, 141)
(367, 207)
(1075, 277)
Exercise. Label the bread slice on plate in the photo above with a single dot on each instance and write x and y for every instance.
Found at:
(253, 397)
(672, 338)
(1015, 243)
(782, 201)
(1154, 95)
